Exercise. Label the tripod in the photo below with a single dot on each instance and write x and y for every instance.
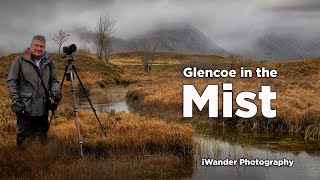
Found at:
(68, 74)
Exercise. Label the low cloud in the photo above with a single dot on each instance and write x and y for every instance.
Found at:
(231, 24)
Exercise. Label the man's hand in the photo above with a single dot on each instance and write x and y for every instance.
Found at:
(16, 107)
(53, 101)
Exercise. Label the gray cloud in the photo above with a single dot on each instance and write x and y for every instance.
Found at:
(294, 5)
(231, 24)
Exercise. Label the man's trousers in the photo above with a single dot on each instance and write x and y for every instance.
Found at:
(31, 126)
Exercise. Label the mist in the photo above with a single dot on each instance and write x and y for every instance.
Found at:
(233, 25)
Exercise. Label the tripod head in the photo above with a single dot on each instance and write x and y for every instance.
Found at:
(69, 65)
(70, 59)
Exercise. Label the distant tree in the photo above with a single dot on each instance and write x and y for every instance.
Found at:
(107, 48)
(104, 29)
(148, 50)
(60, 38)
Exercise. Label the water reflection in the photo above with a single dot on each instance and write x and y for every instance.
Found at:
(305, 166)
(114, 95)
(120, 106)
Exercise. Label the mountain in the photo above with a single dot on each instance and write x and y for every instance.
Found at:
(276, 46)
(185, 38)
(181, 38)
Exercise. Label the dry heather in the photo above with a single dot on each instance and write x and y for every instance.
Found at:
(297, 85)
(135, 146)
(155, 146)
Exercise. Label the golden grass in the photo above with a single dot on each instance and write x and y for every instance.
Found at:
(135, 146)
(138, 146)
(155, 146)
(297, 85)
(130, 58)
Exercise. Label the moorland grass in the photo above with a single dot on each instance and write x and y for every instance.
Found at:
(135, 146)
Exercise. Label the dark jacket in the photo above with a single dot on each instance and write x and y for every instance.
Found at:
(25, 85)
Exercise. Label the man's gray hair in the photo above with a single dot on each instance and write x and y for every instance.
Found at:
(39, 38)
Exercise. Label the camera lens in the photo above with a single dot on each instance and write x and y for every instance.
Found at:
(72, 48)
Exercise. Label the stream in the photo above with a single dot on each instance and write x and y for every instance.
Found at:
(305, 166)
(116, 98)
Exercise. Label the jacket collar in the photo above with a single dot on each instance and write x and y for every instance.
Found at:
(28, 56)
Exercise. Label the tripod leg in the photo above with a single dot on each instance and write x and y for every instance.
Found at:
(64, 75)
(85, 92)
(76, 111)
(50, 120)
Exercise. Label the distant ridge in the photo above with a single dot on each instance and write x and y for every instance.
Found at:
(182, 38)
(276, 46)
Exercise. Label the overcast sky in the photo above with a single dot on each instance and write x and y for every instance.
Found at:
(229, 23)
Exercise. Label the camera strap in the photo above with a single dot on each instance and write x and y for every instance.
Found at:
(47, 93)
(44, 87)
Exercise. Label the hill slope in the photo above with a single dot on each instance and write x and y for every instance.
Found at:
(90, 70)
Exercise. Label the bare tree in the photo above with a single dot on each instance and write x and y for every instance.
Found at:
(104, 29)
(107, 48)
(60, 38)
(148, 48)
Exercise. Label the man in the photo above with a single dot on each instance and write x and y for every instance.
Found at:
(27, 92)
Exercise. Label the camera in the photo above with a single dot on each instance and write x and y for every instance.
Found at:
(68, 50)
